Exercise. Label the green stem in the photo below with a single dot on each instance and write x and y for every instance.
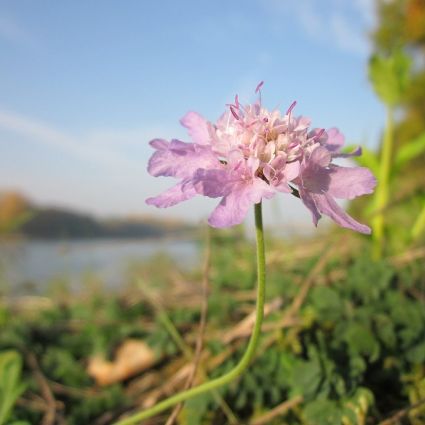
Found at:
(246, 358)
(382, 191)
(419, 225)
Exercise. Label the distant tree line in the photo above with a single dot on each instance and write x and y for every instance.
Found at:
(19, 216)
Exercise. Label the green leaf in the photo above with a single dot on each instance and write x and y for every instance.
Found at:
(20, 423)
(361, 341)
(419, 225)
(356, 408)
(390, 76)
(323, 412)
(417, 354)
(410, 151)
(11, 386)
(195, 409)
(327, 302)
(385, 330)
(307, 377)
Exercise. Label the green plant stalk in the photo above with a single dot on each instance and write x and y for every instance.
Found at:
(249, 353)
(419, 225)
(382, 190)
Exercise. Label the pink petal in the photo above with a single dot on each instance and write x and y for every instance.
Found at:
(179, 159)
(301, 123)
(213, 183)
(159, 144)
(178, 193)
(197, 127)
(350, 182)
(283, 187)
(315, 179)
(327, 205)
(233, 208)
(319, 157)
(335, 140)
(309, 202)
(269, 172)
(292, 170)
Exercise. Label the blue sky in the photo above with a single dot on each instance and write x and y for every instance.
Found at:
(84, 85)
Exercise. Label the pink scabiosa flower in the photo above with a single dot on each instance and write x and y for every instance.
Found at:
(250, 154)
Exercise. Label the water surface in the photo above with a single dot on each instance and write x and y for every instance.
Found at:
(34, 264)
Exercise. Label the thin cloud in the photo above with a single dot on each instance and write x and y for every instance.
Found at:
(346, 36)
(310, 20)
(335, 22)
(368, 11)
(83, 148)
(15, 33)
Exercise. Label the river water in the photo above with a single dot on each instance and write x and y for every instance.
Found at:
(31, 265)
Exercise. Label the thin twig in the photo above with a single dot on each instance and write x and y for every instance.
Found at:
(58, 388)
(49, 416)
(402, 413)
(279, 410)
(37, 404)
(244, 327)
(202, 324)
(308, 283)
(408, 256)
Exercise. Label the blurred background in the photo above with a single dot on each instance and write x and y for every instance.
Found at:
(84, 87)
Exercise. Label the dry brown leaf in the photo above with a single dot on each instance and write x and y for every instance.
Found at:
(132, 357)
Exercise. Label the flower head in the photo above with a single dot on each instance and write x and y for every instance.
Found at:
(250, 154)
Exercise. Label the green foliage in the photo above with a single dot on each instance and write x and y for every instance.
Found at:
(197, 410)
(53, 223)
(64, 367)
(390, 76)
(419, 226)
(410, 151)
(396, 202)
(161, 342)
(414, 204)
(351, 360)
(96, 405)
(15, 224)
(11, 384)
(63, 337)
(347, 411)
(355, 352)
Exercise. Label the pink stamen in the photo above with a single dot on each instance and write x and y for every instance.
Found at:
(233, 111)
(319, 134)
(236, 104)
(239, 164)
(260, 84)
(291, 107)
